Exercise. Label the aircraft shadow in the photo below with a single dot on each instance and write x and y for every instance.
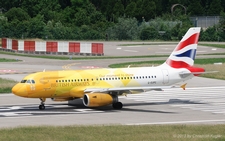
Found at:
(65, 107)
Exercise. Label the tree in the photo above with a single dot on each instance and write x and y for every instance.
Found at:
(148, 9)
(36, 27)
(130, 9)
(195, 8)
(3, 26)
(149, 33)
(125, 29)
(17, 14)
(215, 7)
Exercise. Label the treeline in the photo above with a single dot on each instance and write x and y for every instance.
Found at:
(107, 19)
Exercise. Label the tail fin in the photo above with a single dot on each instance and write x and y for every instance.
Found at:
(183, 55)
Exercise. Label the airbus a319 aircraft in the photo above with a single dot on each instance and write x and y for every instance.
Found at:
(101, 87)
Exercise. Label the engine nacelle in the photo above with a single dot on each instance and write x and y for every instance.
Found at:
(99, 99)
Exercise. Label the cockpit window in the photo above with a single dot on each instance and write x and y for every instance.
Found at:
(31, 81)
(23, 81)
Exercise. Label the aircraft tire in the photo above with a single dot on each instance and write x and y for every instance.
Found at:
(41, 107)
(117, 105)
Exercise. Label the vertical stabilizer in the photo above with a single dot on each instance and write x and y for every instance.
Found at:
(183, 55)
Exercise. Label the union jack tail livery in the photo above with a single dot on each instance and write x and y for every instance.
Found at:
(183, 55)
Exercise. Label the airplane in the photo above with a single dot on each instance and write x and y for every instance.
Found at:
(101, 87)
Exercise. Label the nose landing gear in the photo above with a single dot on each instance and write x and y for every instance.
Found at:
(42, 105)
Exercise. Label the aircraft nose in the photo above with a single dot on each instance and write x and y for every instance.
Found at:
(19, 90)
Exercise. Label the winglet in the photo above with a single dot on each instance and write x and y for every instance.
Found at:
(183, 86)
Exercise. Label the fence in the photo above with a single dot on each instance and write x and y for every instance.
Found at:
(52, 47)
(205, 21)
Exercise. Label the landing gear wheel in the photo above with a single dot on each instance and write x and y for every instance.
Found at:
(117, 105)
(41, 107)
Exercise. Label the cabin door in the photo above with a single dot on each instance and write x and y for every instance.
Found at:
(165, 76)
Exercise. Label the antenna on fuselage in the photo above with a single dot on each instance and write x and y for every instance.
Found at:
(44, 70)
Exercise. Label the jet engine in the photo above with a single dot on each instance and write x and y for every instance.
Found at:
(99, 99)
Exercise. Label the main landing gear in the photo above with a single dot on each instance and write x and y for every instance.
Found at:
(117, 105)
(42, 105)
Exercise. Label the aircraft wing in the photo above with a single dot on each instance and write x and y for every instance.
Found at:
(142, 89)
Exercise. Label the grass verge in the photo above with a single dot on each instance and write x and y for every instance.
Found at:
(115, 132)
(6, 85)
(80, 58)
(7, 60)
(213, 45)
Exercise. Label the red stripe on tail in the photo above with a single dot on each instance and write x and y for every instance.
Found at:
(193, 39)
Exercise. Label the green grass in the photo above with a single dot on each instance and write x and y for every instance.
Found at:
(213, 45)
(7, 60)
(6, 85)
(140, 44)
(79, 58)
(115, 133)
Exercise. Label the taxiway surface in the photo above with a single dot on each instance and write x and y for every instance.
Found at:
(202, 102)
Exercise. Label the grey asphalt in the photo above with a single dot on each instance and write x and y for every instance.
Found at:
(16, 111)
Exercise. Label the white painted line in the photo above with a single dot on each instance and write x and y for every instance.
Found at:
(168, 45)
(133, 46)
(163, 52)
(177, 122)
(214, 48)
(201, 51)
(119, 48)
(131, 50)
